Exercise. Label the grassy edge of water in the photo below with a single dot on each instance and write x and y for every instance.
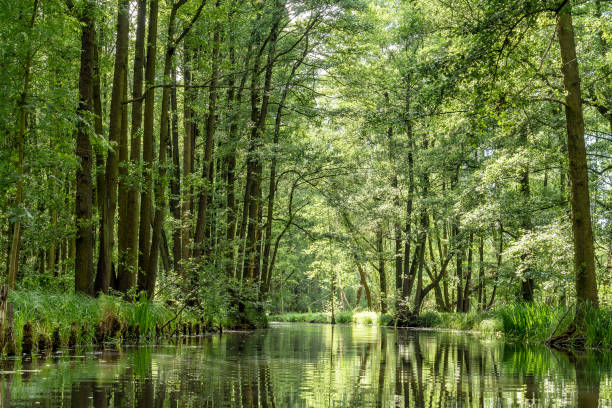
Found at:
(110, 317)
(365, 318)
(528, 323)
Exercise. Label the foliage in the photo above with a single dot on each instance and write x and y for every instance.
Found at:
(404, 158)
(364, 318)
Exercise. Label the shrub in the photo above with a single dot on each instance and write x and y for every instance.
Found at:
(344, 317)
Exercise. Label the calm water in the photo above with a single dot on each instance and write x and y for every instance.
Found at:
(314, 366)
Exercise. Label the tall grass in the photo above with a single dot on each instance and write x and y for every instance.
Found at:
(146, 314)
(598, 327)
(47, 310)
(531, 321)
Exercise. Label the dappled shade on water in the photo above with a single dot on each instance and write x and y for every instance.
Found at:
(314, 366)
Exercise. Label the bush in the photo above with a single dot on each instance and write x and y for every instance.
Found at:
(344, 317)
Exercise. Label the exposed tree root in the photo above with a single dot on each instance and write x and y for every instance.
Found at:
(570, 339)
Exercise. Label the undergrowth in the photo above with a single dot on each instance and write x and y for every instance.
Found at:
(47, 310)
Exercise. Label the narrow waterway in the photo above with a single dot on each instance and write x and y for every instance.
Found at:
(297, 365)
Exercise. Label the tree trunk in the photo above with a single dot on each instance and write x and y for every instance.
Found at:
(146, 202)
(364, 282)
(254, 167)
(204, 194)
(13, 266)
(271, 198)
(123, 182)
(187, 154)
(459, 271)
(584, 259)
(381, 268)
(397, 229)
(234, 100)
(100, 198)
(175, 181)
(160, 191)
(527, 283)
(468, 277)
(440, 304)
(443, 249)
(83, 263)
(112, 164)
(481, 288)
(419, 295)
(150, 268)
(500, 249)
(407, 240)
(358, 299)
(128, 230)
(418, 264)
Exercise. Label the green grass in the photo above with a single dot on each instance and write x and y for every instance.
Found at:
(47, 310)
(529, 323)
(485, 322)
(598, 328)
(365, 318)
(520, 321)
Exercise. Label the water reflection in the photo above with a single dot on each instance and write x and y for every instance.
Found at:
(314, 366)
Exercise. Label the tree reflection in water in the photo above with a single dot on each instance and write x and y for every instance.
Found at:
(315, 366)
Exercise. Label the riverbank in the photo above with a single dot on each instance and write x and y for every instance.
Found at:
(44, 320)
(372, 318)
(520, 322)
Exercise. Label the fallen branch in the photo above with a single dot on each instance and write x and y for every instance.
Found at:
(180, 310)
(550, 339)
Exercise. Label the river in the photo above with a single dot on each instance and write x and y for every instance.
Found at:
(311, 365)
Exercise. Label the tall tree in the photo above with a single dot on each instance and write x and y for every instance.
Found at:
(14, 248)
(105, 259)
(209, 143)
(584, 257)
(83, 263)
(146, 200)
(128, 224)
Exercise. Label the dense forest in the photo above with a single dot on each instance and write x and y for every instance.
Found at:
(246, 157)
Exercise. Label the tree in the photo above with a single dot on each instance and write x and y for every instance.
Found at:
(119, 91)
(83, 273)
(584, 259)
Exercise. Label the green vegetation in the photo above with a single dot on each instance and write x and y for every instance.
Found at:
(532, 323)
(365, 318)
(48, 310)
(244, 158)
